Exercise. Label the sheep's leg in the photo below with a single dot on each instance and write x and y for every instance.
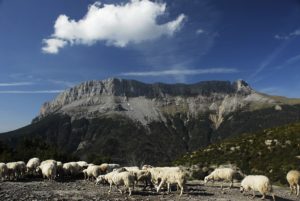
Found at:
(110, 185)
(160, 185)
(253, 194)
(169, 189)
(263, 196)
(292, 189)
(129, 189)
(145, 184)
(119, 189)
(273, 196)
(181, 189)
(231, 184)
(297, 191)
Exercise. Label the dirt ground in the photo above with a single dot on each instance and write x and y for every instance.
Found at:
(87, 190)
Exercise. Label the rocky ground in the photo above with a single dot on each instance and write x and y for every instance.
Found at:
(86, 190)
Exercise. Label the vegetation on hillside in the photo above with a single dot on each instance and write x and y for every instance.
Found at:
(33, 147)
(272, 152)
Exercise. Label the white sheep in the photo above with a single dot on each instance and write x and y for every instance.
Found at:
(112, 166)
(143, 176)
(82, 164)
(104, 168)
(293, 178)
(156, 173)
(145, 167)
(221, 174)
(169, 176)
(132, 168)
(71, 169)
(123, 178)
(259, 183)
(92, 172)
(48, 170)
(32, 164)
(12, 170)
(3, 171)
(21, 169)
(48, 161)
(107, 178)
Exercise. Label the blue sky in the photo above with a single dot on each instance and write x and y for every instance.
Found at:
(50, 45)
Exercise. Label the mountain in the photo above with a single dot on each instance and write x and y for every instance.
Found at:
(132, 122)
(272, 152)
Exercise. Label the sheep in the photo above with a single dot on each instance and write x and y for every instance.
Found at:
(166, 175)
(21, 169)
(48, 170)
(145, 177)
(32, 164)
(118, 178)
(59, 169)
(3, 171)
(145, 167)
(259, 183)
(132, 168)
(124, 178)
(48, 161)
(104, 168)
(107, 178)
(157, 171)
(92, 172)
(293, 178)
(112, 166)
(12, 170)
(71, 169)
(141, 175)
(82, 164)
(223, 174)
(172, 176)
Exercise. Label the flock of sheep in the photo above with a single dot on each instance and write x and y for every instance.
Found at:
(149, 176)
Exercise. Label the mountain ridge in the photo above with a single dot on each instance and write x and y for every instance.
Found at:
(147, 102)
(98, 119)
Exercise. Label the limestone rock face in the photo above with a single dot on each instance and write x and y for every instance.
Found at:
(152, 102)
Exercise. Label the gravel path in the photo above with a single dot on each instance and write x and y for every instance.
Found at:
(85, 190)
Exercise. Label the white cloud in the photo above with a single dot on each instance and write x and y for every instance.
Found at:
(14, 84)
(199, 31)
(296, 33)
(53, 45)
(281, 37)
(176, 72)
(32, 92)
(288, 36)
(116, 24)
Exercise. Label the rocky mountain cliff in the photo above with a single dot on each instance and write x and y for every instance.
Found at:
(132, 122)
(152, 102)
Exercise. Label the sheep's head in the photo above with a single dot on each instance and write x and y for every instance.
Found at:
(27, 169)
(120, 170)
(242, 189)
(38, 170)
(100, 180)
(206, 179)
(145, 167)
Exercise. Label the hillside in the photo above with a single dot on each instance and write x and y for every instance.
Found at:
(272, 152)
(131, 122)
